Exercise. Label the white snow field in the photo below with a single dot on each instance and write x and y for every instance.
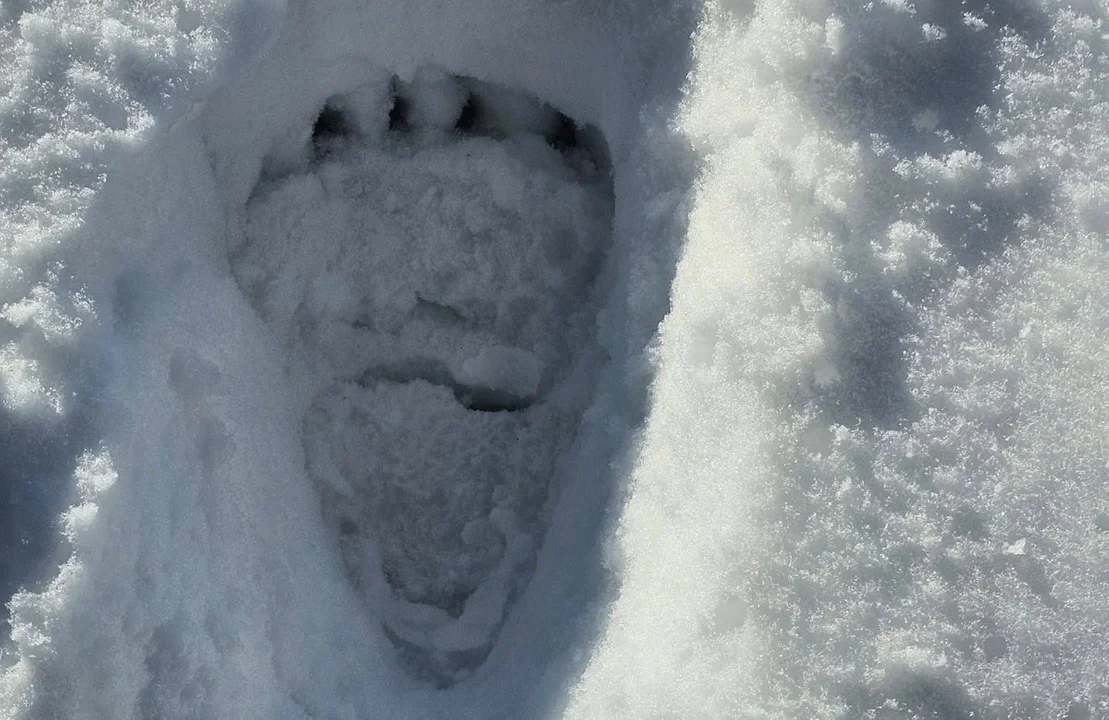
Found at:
(554, 358)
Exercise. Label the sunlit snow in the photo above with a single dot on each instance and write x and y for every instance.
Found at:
(542, 358)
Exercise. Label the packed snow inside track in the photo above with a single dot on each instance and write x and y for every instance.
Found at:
(545, 358)
(427, 252)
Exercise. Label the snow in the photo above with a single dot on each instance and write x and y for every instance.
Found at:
(577, 359)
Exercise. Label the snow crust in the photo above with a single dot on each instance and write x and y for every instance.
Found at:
(801, 393)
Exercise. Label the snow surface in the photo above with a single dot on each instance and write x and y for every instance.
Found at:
(577, 358)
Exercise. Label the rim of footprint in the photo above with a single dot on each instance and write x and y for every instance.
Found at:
(427, 252)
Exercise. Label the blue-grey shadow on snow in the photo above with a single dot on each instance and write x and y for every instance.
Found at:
(36, 470)
(575, 605)
(890, 70)
(918, 696)
(38, 456)
(921, 96)
(905, 95)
